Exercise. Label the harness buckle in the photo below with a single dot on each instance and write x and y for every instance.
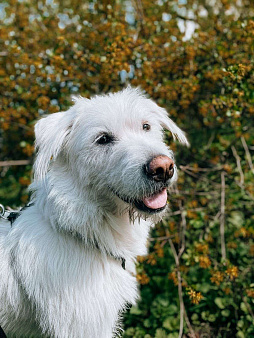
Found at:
(2, 212)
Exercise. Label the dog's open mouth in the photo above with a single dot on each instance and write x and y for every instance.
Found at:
(154, 203)
(151, 204)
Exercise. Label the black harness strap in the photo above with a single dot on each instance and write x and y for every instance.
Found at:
(123, 262)
(2, 334)
(13, 215)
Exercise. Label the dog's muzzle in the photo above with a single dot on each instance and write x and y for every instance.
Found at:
(159, 170)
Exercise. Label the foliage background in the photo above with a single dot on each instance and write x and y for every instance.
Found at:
(195, 58)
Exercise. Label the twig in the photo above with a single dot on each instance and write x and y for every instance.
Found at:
(216, 217)
(218, 168)
(139, 6)
(12, 163)
(21, 126)
(185, 19)
(200, 177)
(193, 335)
(222, 217)
(238, 163)
(248, 307)
(247, 152)
(187, 171)
(180, 290)
(177, 258)
(183, 230)
(210, 141)
(179, 212)
(200, 193)
(163, 238)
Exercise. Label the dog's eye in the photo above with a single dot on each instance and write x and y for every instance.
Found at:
(105, 139)
(146, 126)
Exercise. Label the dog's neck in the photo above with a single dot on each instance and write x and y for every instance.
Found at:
(76, 212)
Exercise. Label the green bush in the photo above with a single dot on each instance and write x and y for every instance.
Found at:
(53, 49)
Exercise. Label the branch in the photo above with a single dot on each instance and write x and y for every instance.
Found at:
(248, 307)
(183, 313)
(193, 335)
(210, 141)
(199, 177)
(200, 193)
(139, 9)
(247, 152)
(162, 238)
(222, 217)
(238, 163)
(177, 258)
(179, 212)
(183, 229)
(180, 290)
(218, 168)
(179, 16)
(13, 163)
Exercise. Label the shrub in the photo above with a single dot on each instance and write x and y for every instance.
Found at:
(198, 276)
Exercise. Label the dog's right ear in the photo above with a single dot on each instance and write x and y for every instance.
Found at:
(51, 134)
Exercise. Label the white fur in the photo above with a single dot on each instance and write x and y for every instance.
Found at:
(54, 281)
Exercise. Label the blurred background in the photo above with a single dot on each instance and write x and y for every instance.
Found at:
(193, 57)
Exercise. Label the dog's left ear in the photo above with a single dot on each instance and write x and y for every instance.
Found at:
(51, 134)
(168, 124)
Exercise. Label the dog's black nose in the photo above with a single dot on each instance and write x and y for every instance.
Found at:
(160, 168)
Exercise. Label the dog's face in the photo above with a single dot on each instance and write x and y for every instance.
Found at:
(114, 145)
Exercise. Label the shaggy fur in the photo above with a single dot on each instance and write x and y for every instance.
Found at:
(58, 276)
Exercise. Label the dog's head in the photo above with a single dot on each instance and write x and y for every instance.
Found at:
(113, 146)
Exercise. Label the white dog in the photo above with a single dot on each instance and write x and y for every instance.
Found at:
(101, 175)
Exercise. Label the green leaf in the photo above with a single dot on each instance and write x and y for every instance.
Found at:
(173, 335)
(167, 324)
(211, 318)
(240, 334)
(204, 288)
(160, 333)
(244, 308)
(240, 323)
(205, 315)
(194, 316)
(135, 311)
(225, 313)
(236, 218)
(163, 301)
(219, 302)
(147, 323)
(172, 309)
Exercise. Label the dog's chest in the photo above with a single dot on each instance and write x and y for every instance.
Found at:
(80, 295)
(108, 282)
(98, 295)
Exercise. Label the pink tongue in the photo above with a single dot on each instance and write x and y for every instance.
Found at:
(156, 201)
